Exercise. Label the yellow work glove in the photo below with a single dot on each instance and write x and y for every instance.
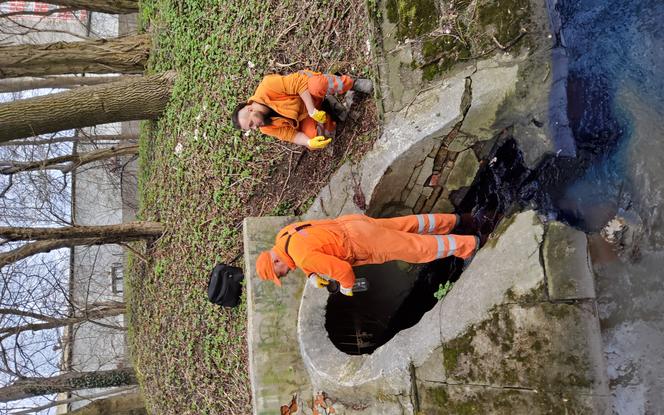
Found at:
(319, 116)
(317, 281)
(318, 142)
(348, 292)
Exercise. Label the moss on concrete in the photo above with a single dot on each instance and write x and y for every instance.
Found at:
(504, 18)
(439, 54)
(454, 349)
(457, 32)
(413, 18)
(515, 346)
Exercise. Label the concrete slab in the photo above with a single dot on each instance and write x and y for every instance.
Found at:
(568, 270)
(276, 369)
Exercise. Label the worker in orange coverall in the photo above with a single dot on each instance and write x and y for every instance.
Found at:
(328, 249)
(289, 107)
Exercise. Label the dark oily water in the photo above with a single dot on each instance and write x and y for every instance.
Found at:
(615, 105)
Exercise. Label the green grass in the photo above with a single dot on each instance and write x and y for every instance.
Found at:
(191, 356)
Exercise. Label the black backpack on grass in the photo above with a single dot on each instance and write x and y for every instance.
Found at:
(225, 286)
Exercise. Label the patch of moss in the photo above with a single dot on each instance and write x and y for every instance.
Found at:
(430, 71)
(537, 346)
(453, 349)
(441, 54)
(413, 17)
(438, 398)
(505, 17)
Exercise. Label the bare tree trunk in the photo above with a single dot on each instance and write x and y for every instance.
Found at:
(104, 6)
(133, 99)
(130, 231)
(68, 382)
(69, 163)
(59, 82)
(126, 54)
(126, 404)
(73, 139)
(49, 239)
(87, 315)
(123, 389)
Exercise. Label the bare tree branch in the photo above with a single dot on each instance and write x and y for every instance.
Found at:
(67, 164)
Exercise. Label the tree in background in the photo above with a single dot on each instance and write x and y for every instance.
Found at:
(126, 55)
(54, 82)
(35, 386)
(134, 99)
(48, 239)
(68, 163)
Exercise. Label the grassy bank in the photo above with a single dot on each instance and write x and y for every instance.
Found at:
(200, 178)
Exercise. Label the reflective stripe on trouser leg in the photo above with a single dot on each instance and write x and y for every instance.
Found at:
(420, 223)
(451, 242)
(451, 246)
(440, 253)
(432, 223)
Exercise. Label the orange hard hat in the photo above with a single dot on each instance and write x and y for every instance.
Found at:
(265, 268)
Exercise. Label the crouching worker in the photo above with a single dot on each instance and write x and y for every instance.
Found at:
(290, 107)
(328, 249)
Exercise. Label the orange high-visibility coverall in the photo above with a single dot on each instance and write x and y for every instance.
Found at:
(281, 93)
(330, 248)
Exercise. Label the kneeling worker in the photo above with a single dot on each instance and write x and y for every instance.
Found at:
(289, 107)
(328, 249)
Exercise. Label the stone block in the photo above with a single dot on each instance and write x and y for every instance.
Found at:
(425, 171)
(493, 82)
(433, 198)
(531, 346)
(413, 196)
(464, 171)
(568, 271)
(420, 204)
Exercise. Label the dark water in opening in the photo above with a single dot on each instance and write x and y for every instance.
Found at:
(399, 294)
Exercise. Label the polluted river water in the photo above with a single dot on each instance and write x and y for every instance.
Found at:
(615, 92)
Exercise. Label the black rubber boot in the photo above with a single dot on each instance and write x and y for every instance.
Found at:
(363, 85)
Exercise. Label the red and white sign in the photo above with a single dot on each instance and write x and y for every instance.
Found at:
(33, 8)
